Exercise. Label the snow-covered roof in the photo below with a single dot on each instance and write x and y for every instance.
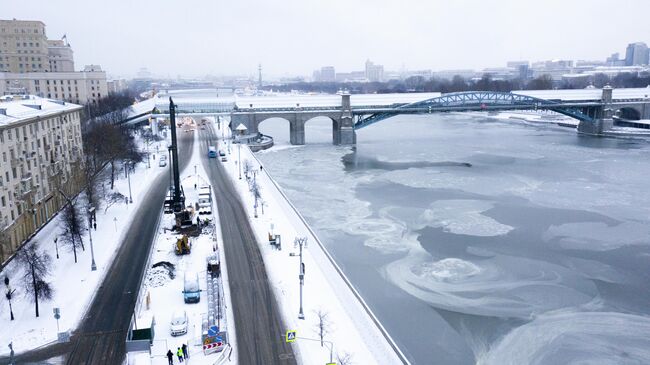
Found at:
(30, 106)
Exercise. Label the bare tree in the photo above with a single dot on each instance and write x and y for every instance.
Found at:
(248, 167)
(37, 265)
(344, 358)
(92, 178)
(112, 198)
(73, 226)
(322, 325)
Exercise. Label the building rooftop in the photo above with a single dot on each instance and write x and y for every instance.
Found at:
(14, 109)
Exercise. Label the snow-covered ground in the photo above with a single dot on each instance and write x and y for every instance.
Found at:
(350, 328)
(166, 293)
(74, 283)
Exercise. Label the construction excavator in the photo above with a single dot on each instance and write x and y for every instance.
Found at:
(183, 246)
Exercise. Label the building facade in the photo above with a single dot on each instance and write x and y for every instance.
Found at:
(23, 46)
(60, 56)
(636, 54)
(328, 74)
(30, 64)
(81, 87)
(40, 153)
(374, 72)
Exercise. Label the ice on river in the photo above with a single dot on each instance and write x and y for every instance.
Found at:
(575, 338)
(499, 286)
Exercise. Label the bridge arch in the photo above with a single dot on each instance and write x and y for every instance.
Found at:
(478, 101)
(321, 119)
(629, 113)
(276, 126)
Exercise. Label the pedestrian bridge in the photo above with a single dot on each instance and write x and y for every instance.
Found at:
(348, 113)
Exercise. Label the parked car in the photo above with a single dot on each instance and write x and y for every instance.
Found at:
(178, 324)
(162, 163)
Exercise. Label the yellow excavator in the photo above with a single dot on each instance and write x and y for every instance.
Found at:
(183, 246)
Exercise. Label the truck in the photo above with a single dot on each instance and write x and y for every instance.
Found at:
(191, 289)
(205, 199)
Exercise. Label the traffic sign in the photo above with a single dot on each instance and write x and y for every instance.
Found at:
(57, 313)
(291, 336)
(213, 331)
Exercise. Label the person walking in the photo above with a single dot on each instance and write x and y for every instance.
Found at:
(170, 357)
(186, 353)
(179, 352)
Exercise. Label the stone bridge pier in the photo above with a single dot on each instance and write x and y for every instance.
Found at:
(603, 120)
(343, 132)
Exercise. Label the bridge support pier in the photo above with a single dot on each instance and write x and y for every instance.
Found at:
(345, 133)
(596, 127)
(297, 131)
(604, 121)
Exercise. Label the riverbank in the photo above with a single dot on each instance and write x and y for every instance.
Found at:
(350, 326)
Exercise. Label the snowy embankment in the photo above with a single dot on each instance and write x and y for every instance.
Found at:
(350, 325)
(165, 292)
(74, 283)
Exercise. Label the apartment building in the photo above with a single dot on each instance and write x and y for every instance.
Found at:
(31, 64)
(40, 153)
(82, 87)
(23, 46)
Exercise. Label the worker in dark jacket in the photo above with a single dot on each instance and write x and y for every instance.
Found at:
(170, 357)
(186, 353)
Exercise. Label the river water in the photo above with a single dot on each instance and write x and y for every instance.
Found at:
(478, 241)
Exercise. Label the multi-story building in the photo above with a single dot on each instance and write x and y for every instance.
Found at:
(636, 54)
(374, 72)
(32, 64)
(116, 86)
(80, 87)
(23, 46)
(327, 74)
(60, 56)
(40, 153)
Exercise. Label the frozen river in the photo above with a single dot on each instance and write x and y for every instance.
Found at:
(478, 241)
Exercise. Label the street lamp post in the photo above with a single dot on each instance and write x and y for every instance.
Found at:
(56, 245)
(91, 212)
(241, 129)
(129, 178)
(255, 191)
(301, 241)
(8, 294)
(239, 157)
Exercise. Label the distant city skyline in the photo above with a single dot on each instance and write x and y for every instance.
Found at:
(200, 37)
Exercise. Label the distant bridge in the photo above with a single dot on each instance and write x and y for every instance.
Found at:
(592, 107)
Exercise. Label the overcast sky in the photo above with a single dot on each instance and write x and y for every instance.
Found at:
(294, 37)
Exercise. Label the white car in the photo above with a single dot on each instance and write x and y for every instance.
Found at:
(162, 163)
(178, 324)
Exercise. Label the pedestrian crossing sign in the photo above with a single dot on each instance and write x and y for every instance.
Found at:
(291, 336)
